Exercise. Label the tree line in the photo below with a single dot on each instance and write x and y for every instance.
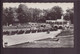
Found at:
(23, 14)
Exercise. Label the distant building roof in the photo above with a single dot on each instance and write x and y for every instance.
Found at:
(50, 20)
(58, 20)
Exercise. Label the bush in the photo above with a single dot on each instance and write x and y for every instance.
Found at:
(13, 32)
(28, 31)
(20, 32)
(60, 27)
(6, 33)
(39, 31)
(33, 31)
(44, 30)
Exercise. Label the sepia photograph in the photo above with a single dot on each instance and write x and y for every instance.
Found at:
(38, 25)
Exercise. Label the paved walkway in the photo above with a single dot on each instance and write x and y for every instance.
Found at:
(22, 38)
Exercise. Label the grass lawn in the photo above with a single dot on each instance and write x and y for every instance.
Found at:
(65, 33)
(62, 40)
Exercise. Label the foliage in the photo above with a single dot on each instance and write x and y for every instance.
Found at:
(69, 15)
(55, 13)
(23, 14)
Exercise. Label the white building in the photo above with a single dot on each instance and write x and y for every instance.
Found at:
(59, 23)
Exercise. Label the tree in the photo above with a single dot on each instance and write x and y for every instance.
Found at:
(69, 15)
(36, 14)
(4, 15)
(43, 16)
(15, 14)
(10, 16)
(55, 13)
(22, 13)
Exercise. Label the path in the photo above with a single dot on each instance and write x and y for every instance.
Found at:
(22, 38)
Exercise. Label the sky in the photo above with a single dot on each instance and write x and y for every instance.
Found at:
(64, 6)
